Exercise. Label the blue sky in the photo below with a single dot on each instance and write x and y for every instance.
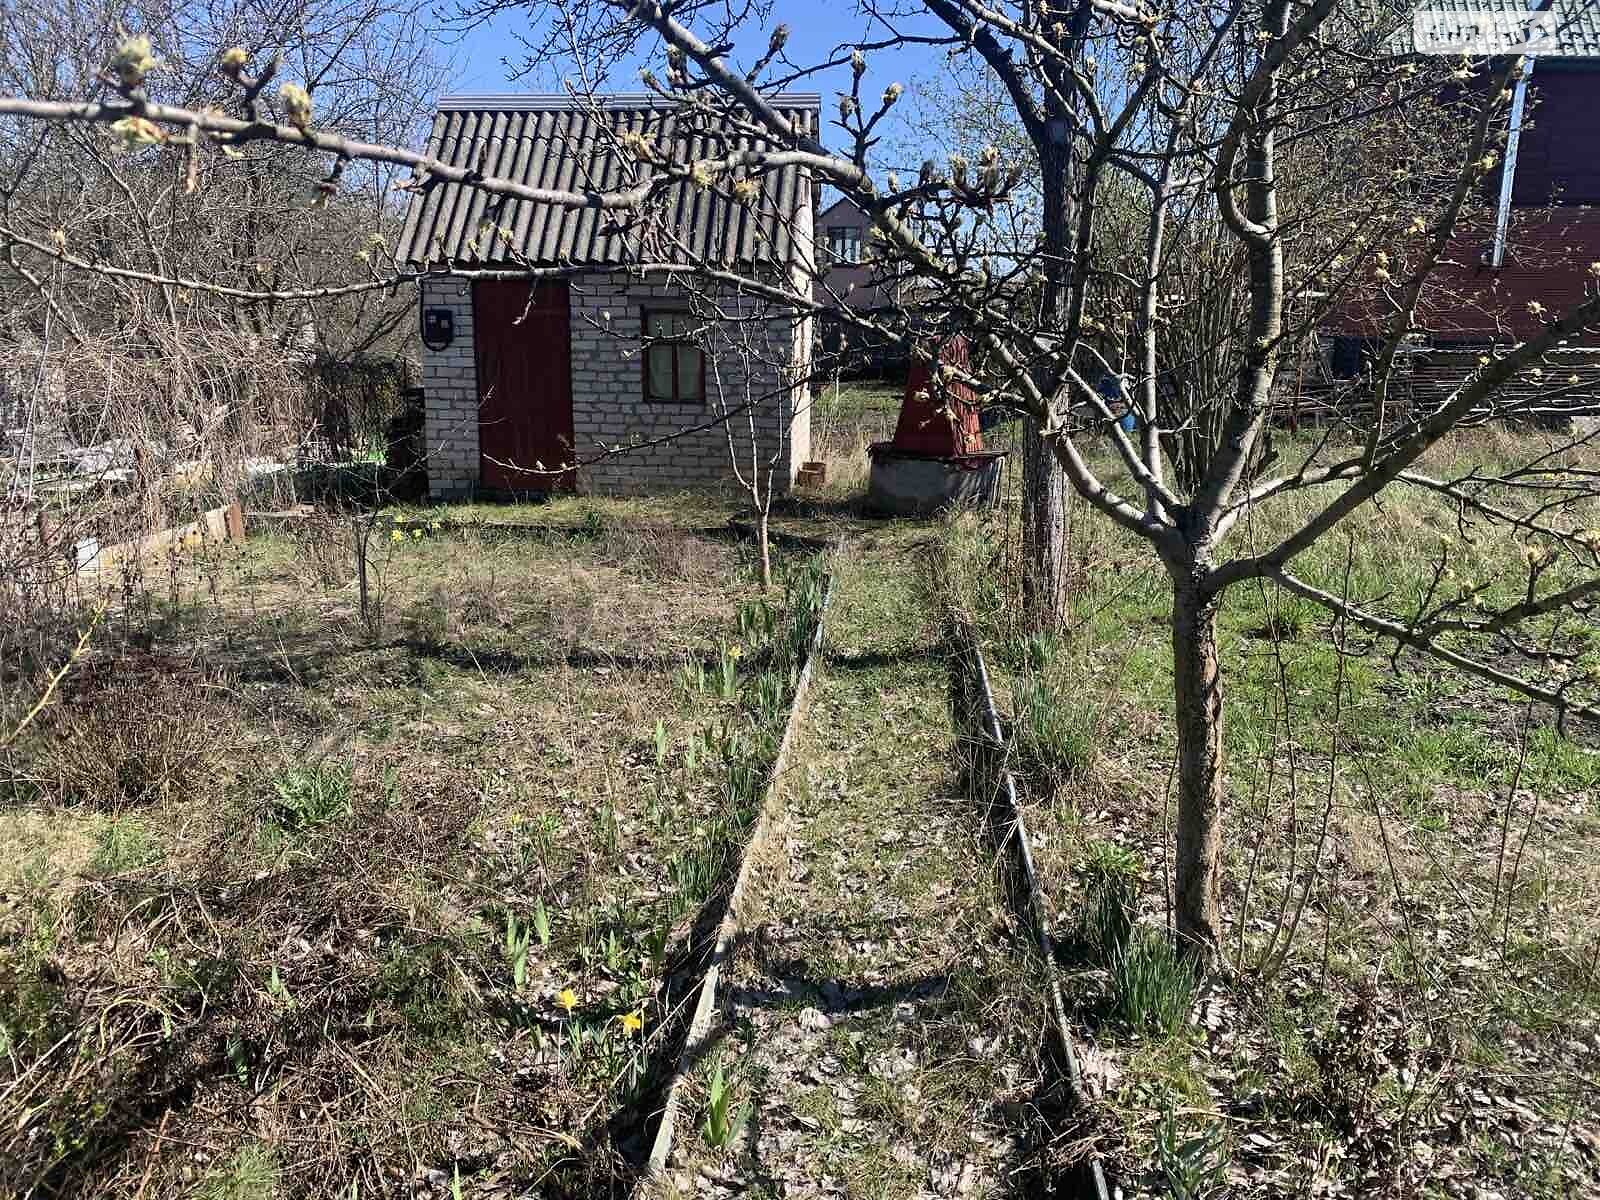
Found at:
(816, 28)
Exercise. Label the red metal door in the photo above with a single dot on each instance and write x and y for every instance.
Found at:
(524, 348)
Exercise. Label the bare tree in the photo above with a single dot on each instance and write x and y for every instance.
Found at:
(131, 398)
(1319, 168)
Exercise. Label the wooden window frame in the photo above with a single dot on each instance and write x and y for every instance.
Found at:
(859, 239)
(649, 343)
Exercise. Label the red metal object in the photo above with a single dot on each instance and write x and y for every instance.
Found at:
(938, 422)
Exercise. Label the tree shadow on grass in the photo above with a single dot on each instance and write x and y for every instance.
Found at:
(879, 660)
(269, 665)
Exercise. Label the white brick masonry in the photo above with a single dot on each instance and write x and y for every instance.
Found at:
(450, 391)
(753, 364)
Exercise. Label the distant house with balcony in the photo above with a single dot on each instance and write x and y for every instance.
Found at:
(1530, 257)
(848, 276)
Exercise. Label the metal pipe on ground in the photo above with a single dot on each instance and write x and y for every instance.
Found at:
(700, 1026)
(1015, 838)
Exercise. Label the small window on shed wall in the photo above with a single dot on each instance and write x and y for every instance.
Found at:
(674, 367)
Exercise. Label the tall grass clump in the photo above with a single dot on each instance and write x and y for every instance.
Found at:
(1152, 988)
(804, 591)
(1055, 737)
(1111, 889)
(307, 796)
(968, 572)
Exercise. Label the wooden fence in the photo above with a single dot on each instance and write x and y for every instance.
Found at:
(1564, 386)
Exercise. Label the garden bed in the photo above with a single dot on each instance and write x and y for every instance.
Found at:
(1410, 1003)
(311, 903)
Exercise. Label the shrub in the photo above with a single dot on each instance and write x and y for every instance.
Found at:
(132, 736)
(324, 548)
(428, 622)
(651, 552)
(355, 399)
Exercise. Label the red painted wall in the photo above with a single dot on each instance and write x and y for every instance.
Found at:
(1559, 155)
(1547, 260)
(1548, 256)
(1554, 233)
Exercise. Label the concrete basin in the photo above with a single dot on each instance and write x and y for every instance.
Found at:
(908, 484)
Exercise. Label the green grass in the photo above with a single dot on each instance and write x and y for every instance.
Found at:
(310, 796)
(250, 1174)
(1152, 989)
(126, 844)
(1411, 765)
(1054, 736)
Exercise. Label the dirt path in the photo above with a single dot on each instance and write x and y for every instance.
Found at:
(878, 963)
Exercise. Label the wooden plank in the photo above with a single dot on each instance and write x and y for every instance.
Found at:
(223, 524)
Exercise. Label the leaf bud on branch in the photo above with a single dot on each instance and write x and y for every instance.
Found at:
(132, 62)
(296, 105)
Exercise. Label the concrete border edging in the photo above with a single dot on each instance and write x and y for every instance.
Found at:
(700, 1024)
(1015, 837)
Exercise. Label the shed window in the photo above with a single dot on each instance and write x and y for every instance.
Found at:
(674, 367)
(844, 244)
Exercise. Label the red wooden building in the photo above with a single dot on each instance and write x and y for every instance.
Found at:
(1542, 228)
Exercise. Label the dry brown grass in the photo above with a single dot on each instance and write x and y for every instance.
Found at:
(206, 985)
(844, 422)
(131, 732)
(324, 548)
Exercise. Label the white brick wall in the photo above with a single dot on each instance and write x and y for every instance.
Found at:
(753, 361)
(450, 388)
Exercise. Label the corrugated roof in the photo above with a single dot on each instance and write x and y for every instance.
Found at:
(1577, 33)
(558, 143)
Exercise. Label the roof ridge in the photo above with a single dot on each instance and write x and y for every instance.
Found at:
(562, 101)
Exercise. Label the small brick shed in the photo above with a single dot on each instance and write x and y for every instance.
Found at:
(536, 374)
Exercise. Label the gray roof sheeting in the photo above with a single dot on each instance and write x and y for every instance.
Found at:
(1577, 22)
(554, 142)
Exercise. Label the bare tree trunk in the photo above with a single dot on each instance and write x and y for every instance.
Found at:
(1044, 523)
(1044, 499)
(1197, 693)
(766, 547)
